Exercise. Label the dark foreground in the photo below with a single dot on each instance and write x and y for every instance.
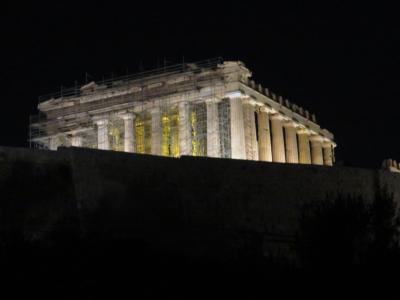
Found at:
(86, 224)
(95, 269)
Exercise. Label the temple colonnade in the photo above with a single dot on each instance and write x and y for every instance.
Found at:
(256, 133)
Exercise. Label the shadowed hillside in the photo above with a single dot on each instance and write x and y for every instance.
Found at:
(81, 220)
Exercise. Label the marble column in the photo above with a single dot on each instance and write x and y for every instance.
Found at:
(156, 131)
(328, 153)
(213, 138)
(237, 129)
(76, 141)
(304, 147)
(129, 133)
(292, 154)
(103, 142)
(316, 150)
(264, 137)
(53, 142)
(184, 129)
(250, 131)
(278, 143)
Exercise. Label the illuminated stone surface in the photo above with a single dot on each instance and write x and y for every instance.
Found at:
(184, 129)
(328, 153)
(304, 147)
(209, 108)
(155, 131)
(53, 143)
(316, 150)
(76, 141)
(213, 141)
(264, 137)
(251, 144)
(237, 129)
(129, 137)
(292, 154)
(278, 143)
(102, 135)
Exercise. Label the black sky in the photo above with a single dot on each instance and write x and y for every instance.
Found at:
(339, 61)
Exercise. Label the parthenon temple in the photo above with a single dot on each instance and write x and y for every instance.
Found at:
(209, 108)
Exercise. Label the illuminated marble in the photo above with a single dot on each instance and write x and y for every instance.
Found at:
(210, 108)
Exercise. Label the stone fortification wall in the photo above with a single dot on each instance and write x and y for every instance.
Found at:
(165, 200)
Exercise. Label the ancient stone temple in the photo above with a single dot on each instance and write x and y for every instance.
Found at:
(210, 108)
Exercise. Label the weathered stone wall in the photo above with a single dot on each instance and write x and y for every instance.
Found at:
(165, 200)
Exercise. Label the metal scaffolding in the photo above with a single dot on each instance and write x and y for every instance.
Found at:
(54, 128)
(73, 117)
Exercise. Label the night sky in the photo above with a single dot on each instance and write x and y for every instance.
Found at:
(338, 61)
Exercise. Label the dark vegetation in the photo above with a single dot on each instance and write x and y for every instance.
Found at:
(347, 232)
(341, 241)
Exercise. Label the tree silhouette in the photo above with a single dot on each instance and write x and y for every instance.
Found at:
(384, 224)
(344, 232)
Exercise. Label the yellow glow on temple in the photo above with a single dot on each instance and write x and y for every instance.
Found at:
(166, 131)
(142, 128)
(214, 110)
(139, 133)
(170, 133)
(175, 133)
(115, 138)
(147, 133)
(193, 125)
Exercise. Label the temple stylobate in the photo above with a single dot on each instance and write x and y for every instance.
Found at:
(209, 108)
